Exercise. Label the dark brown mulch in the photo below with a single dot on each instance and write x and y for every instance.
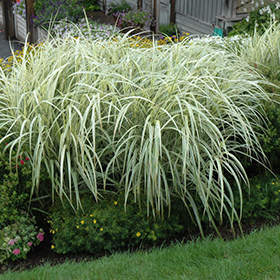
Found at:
(44, 254)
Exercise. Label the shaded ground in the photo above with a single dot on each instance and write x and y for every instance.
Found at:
(5, 45)
(43, 252)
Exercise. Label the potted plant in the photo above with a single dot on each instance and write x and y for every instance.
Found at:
(137, 19)
(20, 20)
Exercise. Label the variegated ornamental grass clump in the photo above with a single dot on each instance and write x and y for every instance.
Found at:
(262, 50)
(159, 121)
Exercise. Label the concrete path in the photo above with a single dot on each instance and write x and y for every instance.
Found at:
(5, 45)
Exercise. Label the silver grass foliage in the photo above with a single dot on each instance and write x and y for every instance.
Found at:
(154, 121)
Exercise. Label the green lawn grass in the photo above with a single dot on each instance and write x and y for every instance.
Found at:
(257, 256)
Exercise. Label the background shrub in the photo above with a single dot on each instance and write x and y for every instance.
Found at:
(262, 199)
(18, 232)
(105, 226)
(47, 10)
(258, 20)
(15, 184)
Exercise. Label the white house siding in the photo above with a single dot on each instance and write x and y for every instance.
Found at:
(1, 16)
(147, 5)
(198, 16)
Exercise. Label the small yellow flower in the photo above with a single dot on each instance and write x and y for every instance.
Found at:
(115, 202)
(272, 183)
(101, 229)
(52, 246)
(138, 234)
(91, 215)
(82, 222)
(78, 226)
(53, 232)
(94, 221)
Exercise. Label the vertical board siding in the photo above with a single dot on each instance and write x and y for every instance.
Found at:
(202, 10)
(1, 16)
(100, 4)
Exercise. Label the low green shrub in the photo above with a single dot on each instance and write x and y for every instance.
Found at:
(105, 226)
(18, 232)
(261, 200)
(17, 239)
(169, 29)
(15, 184)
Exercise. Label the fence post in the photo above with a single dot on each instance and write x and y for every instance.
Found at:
(172, 11)
(156, 15)
(9, 27)
(30, 28)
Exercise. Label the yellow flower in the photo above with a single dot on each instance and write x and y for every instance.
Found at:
(115, 202)
(138, 234)
(91, 215)
(53, 232)
(78, 226)
(272, 183)
(94, 221)
(82, 222)
(52, 246)
(101, 229)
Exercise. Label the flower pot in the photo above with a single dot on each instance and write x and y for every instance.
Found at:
(41, 34)
(20, 27)
(21, 32)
